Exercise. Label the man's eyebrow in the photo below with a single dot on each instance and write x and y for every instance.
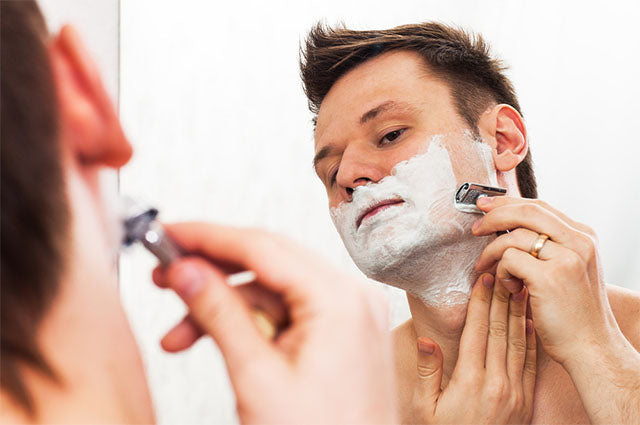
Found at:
(322, 154)
(384, 107)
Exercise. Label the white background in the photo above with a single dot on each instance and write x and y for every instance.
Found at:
(210, 96)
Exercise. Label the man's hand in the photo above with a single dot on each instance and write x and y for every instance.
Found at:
(333, 361)
(494, 378)
(568, 299)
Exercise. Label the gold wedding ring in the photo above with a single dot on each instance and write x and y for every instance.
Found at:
(266, 325)
(538, 244)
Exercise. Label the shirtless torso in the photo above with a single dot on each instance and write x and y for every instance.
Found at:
(556, 399)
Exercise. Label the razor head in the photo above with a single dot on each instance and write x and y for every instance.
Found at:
(468, 194)
(136, 220)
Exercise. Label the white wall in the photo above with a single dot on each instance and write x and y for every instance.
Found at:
(98, 22)
(211, 99)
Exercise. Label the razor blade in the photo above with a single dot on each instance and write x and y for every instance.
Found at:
(468, 194)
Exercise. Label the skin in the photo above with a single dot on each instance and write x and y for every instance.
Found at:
(591, 346)
(85, 335)
(351, 151)
(328, 321)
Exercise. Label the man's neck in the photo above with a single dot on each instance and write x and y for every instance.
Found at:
(86, 340)
(444, 325)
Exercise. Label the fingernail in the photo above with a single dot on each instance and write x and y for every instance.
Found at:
(426, 347)
(529, 327)
(476, 224)
(189, 281)
(513, 285)
(487, 281)
(483, 201)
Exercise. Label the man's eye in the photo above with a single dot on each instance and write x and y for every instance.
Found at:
(391, 136)
(332, 177)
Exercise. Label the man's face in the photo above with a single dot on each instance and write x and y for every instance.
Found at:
(391, 150)
(381, 113)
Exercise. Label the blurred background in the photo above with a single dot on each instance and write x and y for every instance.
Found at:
(210, 96)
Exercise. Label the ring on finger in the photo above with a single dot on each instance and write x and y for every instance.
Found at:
(538, 244)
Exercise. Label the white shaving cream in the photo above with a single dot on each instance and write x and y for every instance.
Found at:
(422, 245)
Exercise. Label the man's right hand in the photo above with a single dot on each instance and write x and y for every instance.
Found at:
(333, 362)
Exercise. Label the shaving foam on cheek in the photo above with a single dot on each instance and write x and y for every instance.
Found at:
(422, 245)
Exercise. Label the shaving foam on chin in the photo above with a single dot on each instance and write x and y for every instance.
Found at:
(422, 245)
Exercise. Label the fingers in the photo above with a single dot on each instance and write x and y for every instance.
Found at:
(535, 215)
(527, 215)
(522, 239)
(220, 312)
(269, 256)
(429, 374)
(517, 349)
(489, 203)
(268, 308)
(530, 365)
(181, 336)
(521, 265)
(498, 331)
(473, 342)
(265, 301)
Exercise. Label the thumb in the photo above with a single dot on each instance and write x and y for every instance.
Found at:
(221, 312)
(427, 388)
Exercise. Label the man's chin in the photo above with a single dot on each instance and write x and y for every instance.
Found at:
(393, 263)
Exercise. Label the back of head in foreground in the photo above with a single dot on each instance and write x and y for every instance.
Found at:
(59, 292)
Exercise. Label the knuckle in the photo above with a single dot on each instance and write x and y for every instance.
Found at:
(573, 262)
(516, 401)
(496, 389)
(530, 367)
(426, 371)
(497, 329)
(482, 328)
(530, 210)
(469, 379)
(541, 203)
(209, 313)
(510, 254)
(518, 345)
(501, 294)
(518, 233)
(589, 231)
(587, 246)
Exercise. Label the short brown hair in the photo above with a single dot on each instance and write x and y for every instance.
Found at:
(459, 58)
(34, 206)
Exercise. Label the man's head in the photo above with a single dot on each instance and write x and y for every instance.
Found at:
(59, 132)
(427, 94)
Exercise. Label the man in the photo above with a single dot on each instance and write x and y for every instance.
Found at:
(402, 118)
(67, 353)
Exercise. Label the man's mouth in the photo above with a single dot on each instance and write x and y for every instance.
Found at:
(370, 212)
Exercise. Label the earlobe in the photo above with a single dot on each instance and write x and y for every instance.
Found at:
(90, 128)
(510, 137)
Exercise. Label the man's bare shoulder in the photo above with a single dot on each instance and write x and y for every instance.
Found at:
(625, 305)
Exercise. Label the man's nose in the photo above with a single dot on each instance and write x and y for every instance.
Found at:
(354, 172)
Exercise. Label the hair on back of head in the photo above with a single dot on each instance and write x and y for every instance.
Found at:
(35, 217)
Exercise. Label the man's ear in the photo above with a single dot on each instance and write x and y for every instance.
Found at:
(504, 125)
(90, 128)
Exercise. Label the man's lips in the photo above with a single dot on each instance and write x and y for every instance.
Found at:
(370, 212)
